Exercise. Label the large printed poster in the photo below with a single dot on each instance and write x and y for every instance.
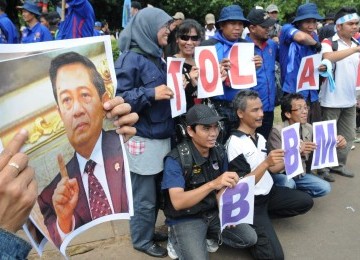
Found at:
(56, 91)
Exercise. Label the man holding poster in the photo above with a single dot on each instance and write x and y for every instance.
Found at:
(231, 25)
(340, 103)
(294, 110)
(191, 207)
(92, 184)
(247, 155)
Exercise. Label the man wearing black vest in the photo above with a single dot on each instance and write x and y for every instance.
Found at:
(194, 173)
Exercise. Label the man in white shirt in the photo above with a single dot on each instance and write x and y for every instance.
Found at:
(339, 101)
(247, 155)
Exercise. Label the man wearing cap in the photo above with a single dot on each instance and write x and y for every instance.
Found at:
(340, 103)
(79, 20)
(35, 31)
(191, 208)
(210, 28)
(273, 12)
(8, 31)
(97, 29)
(172, 48)
(298, 40)
(230, 27)
(259, 29)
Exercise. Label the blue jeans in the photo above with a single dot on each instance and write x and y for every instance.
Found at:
(142, 224)
(308, 183)
(189, 236)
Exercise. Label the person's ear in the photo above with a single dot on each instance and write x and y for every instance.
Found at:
(288, 115)
(105, 97)
(190, 131)
(240, 113)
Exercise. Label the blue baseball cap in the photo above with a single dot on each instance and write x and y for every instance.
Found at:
(98, 24)
(30, 7)
(307, 11)
(232, 13)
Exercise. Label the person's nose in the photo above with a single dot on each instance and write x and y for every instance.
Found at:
(78, 108)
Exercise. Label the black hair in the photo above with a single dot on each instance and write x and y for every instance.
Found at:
(240, 100)
(136, 5)
(3, 5)
(186, 26)
(286, 106)
(344, 11)
(71, 58)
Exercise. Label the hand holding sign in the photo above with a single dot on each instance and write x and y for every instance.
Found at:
(224, 67)
(227, 179)
(258, 61)
(340, 142)
(307, 147)
(275, 157)
(163, 92)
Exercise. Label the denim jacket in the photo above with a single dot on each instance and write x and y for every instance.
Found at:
(13, 247)
(137, 76)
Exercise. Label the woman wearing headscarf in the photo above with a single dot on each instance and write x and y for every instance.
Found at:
(141, 77)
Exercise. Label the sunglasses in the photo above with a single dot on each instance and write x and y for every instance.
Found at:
(194, 38)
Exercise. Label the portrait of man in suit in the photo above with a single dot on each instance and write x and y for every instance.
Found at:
(92, 184)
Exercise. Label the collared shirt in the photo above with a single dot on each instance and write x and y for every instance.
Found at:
(291, 54)
(244, 151)
(99, 172)
(38, 33)
(346, 75)
(8, 31)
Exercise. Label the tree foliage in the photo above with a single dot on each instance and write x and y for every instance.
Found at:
(111, 10)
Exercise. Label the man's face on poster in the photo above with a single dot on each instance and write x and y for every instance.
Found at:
(80, 105)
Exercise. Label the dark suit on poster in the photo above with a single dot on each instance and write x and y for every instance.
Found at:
(115, 175)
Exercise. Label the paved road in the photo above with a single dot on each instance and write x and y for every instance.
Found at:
(331, 230)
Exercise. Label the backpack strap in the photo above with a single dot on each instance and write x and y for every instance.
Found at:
(335, 44)
(185, 156)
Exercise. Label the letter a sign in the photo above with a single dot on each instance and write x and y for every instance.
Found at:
(308, 75)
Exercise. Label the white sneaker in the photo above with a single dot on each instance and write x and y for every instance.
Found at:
(211, 245)
(171, 251)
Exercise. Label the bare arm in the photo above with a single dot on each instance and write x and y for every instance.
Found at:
(304, 38)
(339, 55)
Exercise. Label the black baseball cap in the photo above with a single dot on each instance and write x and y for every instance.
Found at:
(201, 114)
(260, 17)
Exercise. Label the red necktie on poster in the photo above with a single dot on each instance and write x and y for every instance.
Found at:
(99, 204)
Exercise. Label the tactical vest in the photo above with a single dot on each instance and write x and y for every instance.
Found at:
(194, 178)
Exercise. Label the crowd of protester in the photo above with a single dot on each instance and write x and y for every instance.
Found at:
(234, 131)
